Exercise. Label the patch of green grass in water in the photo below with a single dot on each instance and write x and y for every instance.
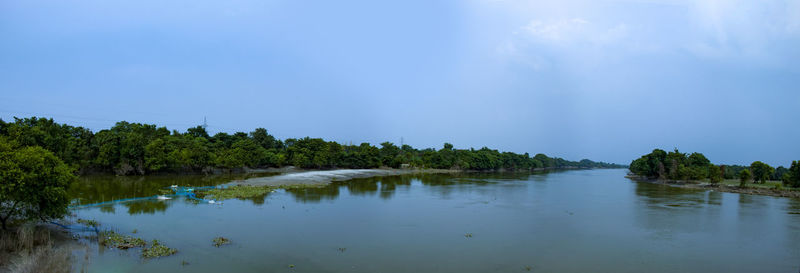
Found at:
(244, 192)
(90, 223)
(157, 250)
(221, 241)
(241, 192)
(115, 240)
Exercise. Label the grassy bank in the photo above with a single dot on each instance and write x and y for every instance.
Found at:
(769, 188)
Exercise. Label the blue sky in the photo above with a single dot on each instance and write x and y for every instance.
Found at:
(605, 80)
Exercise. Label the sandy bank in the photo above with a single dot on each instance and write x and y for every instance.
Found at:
(305, 177)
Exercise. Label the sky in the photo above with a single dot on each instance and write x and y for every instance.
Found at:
(598, 79)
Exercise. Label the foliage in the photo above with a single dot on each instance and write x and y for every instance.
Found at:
(135, 148)
(673, 165)
(115, 240)
(714, 173)
(792, 177)
(761, 171)
(34, 183)
(241, 192)
(156, 250)
(678, 166)
(744, 177)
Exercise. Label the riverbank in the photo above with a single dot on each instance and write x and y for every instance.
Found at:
(298, 177)
(726, 186)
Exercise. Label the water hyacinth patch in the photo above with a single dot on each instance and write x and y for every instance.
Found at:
(115, 240)
(157, 250)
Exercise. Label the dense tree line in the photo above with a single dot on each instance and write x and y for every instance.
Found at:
(695, 166)
(134, 148)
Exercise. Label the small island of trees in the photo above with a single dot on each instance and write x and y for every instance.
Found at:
(677, 166)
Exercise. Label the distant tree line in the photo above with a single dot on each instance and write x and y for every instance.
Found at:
(135, 148)
(695, 166)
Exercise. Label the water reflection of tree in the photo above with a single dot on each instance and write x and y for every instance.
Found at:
(146, 207)
(386, 187)
(315, 195)
(99, 188)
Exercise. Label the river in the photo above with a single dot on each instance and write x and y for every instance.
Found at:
(570, 221)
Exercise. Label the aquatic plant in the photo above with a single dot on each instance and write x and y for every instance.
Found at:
(468, 235)
(221, 241)
(342, 249)
(157, 250)
(241, 192)
(528, 268)
(90, 223)
(115, 240)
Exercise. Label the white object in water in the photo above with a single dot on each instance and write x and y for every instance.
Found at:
(161, 197)
(211, 201)
(174, 186)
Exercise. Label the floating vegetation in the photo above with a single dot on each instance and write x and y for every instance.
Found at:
(245, 191)
(342, 249)
(135, 231)
(90, 223)
(116, 240)
(291, 266)
(468, 235)
(156, 250)
(221, 241)
(240, 192)
(184, 263)
(794, 212)
(527, 268)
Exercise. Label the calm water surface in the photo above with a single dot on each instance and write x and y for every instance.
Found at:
(574, 221)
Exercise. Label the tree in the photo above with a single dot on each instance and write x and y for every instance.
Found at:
(264, 139)
(744, 176)
(34, 184)
(714, 173)
(198, 131)
(761, 171)
(792, 177)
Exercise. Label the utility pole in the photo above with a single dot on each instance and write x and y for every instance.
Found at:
(205, 122)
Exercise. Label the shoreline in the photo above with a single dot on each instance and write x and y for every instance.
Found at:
(291, 176)
(720, 187)
(295, 177)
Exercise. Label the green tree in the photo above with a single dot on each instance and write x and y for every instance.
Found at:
(34, 184)
(744, 176)
(198, 131)
(714, 173)
(264, 139)
(761, 171)
(792, 177)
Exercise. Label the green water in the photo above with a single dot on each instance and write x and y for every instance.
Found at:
(573, 221)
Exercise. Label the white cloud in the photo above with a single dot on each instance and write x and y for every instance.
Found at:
(558, 31)
(574, 31)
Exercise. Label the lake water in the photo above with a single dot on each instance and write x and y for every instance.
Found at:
(572, 221)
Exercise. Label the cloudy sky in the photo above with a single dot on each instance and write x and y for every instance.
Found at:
(605, 80)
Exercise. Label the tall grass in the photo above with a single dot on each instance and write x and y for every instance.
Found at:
(30, 249)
